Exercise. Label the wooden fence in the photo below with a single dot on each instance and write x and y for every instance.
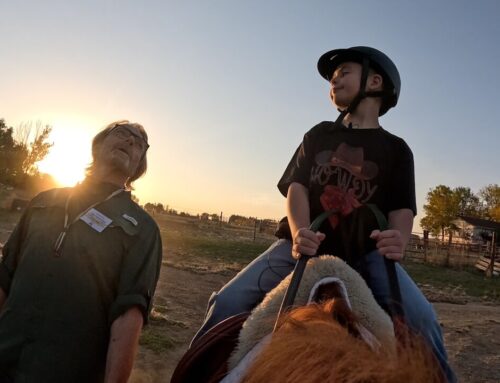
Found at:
(456, 255)
(484, 264)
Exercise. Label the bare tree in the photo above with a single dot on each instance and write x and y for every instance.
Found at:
(19, 156)
(37, 149)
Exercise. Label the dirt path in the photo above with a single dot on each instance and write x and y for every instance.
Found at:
(185, 295)
(472, 336)
(472, 330)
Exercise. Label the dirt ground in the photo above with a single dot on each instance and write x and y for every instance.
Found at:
(192, 270)
(471, 330)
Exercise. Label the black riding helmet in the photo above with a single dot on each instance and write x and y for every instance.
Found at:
(368, 58)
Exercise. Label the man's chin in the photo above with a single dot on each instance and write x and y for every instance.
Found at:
(120, 166)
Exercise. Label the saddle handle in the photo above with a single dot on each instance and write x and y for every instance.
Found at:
(395, 306)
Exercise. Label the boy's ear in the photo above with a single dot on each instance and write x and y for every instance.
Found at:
(375, 82)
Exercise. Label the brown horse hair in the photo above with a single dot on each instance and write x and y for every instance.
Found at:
(311, 346)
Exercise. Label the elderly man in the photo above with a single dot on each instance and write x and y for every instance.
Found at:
(79, 272)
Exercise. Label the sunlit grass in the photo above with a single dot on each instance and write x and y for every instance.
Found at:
(471, 281)
(155, 338)
(217, 249)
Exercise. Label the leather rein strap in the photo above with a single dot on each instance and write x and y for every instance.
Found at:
(395, 306)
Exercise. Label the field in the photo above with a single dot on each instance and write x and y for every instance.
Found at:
(199, 257)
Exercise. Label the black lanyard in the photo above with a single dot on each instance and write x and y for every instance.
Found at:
(67, 225)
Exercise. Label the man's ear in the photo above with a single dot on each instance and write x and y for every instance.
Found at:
(375, 82)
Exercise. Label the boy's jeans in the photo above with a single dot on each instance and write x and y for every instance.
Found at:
(250, 285)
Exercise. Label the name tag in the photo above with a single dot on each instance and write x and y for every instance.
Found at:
(96, 220)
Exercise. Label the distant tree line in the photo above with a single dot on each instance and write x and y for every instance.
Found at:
(19, 156)
(444, 205)
(209, 217)
(154, 208)
(237, 220)
(159, 208)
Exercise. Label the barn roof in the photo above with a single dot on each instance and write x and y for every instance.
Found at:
(483, 223)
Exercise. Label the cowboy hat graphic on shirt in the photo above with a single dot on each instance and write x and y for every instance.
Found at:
(349, 158)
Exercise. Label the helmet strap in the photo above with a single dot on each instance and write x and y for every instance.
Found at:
(360, 96)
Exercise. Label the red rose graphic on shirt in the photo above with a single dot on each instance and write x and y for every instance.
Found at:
(334, 197)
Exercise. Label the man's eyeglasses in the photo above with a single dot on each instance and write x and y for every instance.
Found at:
(124, 132)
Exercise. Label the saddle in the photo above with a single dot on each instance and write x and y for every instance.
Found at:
(224, 346)
(206, 360)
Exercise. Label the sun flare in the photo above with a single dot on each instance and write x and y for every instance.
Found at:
(70, 154)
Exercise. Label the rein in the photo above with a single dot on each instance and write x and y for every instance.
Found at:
(395, 306)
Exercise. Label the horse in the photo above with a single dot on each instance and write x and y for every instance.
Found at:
(322, 343)
(335, 333)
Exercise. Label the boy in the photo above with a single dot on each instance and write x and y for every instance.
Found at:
(343, 166)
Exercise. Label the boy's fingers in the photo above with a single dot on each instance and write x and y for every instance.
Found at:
(307, 236)
(374, 234)
(306, 242)
(388, 234)
(389, 250)
(305, 233)
(306, 250)
(394, 256)
(389, 242)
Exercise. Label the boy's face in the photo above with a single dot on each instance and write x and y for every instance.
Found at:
(345, 84)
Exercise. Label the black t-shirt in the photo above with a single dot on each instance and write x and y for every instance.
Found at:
(345, 169)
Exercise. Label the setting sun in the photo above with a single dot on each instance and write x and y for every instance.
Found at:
(70, 155)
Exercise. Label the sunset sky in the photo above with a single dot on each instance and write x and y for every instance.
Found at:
(226, 89)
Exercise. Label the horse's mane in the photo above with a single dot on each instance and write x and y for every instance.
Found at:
(311, 346)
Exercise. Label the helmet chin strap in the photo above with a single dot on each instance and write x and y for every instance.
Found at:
(359, 97)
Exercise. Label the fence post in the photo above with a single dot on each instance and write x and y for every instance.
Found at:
(491, 266)
(448, 250)
(426, 244)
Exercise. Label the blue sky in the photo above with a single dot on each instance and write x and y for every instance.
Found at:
(226, 89)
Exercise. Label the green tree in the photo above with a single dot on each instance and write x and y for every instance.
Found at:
(149, 207)
(37, 150)
(19, 157)
(159, 208)
(12, 156)
(439, 210)
(490, 197)
(444, 205)
(6, 137)
(467, 202)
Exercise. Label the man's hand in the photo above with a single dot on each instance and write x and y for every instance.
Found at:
(389, 243)
(306, 242)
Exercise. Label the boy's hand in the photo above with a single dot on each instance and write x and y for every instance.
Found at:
(389, 243)
(306, 242)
